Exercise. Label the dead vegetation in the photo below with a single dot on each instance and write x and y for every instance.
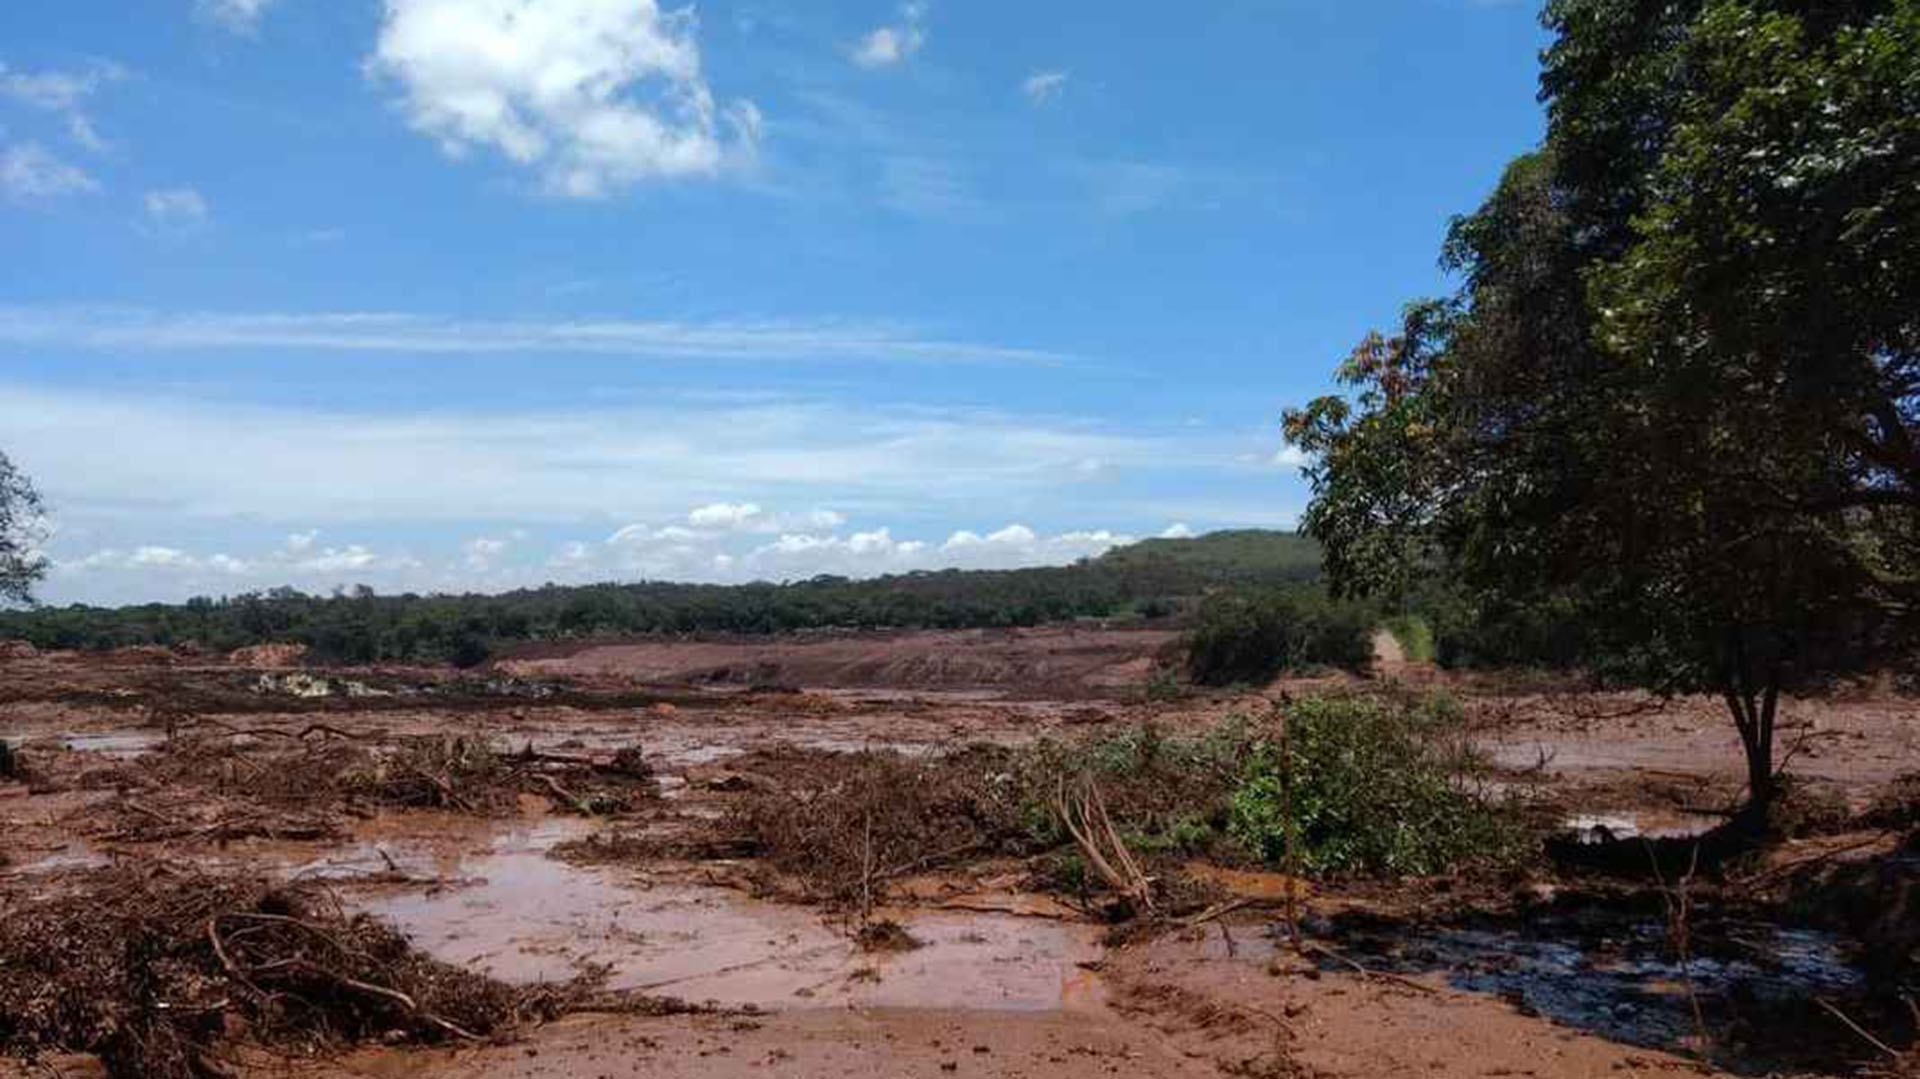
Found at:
(221, 783)
(160, 972)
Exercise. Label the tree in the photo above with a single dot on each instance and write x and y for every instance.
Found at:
(1651, 400)
(21, 531)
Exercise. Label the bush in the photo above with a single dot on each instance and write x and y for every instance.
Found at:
(1243, 638)
(1415, 635)
(1377, 788)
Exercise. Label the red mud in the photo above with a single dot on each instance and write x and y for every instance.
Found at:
(1007, 984)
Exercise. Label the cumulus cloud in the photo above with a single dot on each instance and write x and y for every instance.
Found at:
(888, 45)
(175, 210)
(634, 552)
(592, 95)
(240, 16)
(64, 93)
(28, 173)
(1179, 530)
(1042, 87)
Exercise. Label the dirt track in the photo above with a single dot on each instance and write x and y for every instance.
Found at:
(1009, 984)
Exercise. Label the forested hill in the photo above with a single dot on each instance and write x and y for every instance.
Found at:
(1147, 580)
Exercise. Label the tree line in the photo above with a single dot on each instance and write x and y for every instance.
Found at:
(1146, 581)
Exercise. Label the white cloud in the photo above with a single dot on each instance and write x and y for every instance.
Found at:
(635, 552)
(175, 210)
(483, 551)
(1292, 457)
(240, 16)
(593, 95)
(65, 93)
(749, 517)
(889, 45)
(274, 567)
(302, 542)
(724, 515)
(824, 340)
(1042, 87)
(159, 557)
(28, 173)
(1179, 530)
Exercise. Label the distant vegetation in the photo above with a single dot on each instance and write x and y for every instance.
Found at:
(1149, 581)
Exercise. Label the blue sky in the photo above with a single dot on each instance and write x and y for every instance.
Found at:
(471, 294)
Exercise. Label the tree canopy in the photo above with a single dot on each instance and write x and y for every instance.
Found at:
(1677, 389)
(21, 563)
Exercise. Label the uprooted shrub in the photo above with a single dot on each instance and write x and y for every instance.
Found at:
(1365, 786)
(1369, 786)
(155, 970)
(322, 771)
(843, 825)
(1897, 808)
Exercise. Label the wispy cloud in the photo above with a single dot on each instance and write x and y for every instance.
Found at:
(29, 173)
(742, 342)
(65, 93)
(1042, 87)
(893, 43)
(159, 458)
(175, 211)
(929, 186)
(240, 16)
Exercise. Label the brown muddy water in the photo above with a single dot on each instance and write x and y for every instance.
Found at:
(519, 915)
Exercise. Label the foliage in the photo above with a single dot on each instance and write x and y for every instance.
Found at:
(1252, 638)
(1415, 637)
(21, 530)
(1370, 787)
(1673, 401)
(360, 627)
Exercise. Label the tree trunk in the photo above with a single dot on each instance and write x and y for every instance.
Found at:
(1754, 698)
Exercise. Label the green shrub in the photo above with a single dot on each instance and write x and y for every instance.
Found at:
(1376, 789)
(1415, 635)
(1253, 638)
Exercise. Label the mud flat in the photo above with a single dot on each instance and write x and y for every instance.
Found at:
(984, 968)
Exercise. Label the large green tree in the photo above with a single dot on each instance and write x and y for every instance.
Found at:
(1678, 388)
(21, 564)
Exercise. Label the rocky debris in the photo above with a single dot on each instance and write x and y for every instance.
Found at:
(315, 686)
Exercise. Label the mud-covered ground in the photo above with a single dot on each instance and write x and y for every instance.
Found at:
(1541, 972)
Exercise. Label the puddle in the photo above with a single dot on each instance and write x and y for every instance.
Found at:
(525, 917)
(1590, 828)
(117, 744)
(75, 855)
(1620, 982)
